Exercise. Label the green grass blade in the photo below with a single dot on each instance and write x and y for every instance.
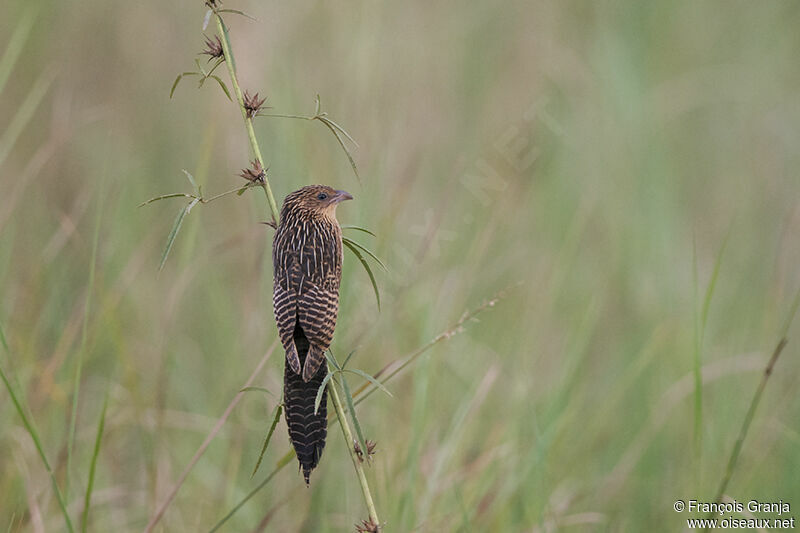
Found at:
(285, 460)
(362, 442)
(700, 333)
(35, 437)
(178, 80)
(276, 415)
(711, 286)
(223, 86)
(165, 196)
(358, 228)
(367, 268)
(336, 134)
(369, 378)
(93, 466)
(192, 181)
(238, 12)
(321, 391)
(346, 359)
(368, 252)
(176, 227)
(259, 389)
(332, 360)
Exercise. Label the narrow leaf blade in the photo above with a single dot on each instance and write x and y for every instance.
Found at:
(368, 252)
(367, 268)
(371, 379)
(176, 227)
(321, 392)
(359, 228)
(223, 86)
(275, 417)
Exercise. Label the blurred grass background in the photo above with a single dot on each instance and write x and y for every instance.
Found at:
(582, 149)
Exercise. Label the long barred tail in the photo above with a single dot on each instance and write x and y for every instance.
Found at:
(307, 430)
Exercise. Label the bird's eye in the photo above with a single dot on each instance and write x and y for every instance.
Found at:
(322, 196)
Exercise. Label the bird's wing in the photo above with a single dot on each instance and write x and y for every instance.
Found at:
(286, 268)
(317, 309)
(284, 303)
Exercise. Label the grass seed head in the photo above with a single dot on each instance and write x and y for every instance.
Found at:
(213, 48)
(253, 104)
(255, 173)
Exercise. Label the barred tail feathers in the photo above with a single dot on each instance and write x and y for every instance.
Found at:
(307, 430)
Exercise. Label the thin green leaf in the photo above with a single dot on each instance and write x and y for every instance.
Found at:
(242, 13)
(332, 360)
(275, 417)
(342, 131)
(712, 284)
(178, 80)
(285, 460)
(35, 437)
(369, 378)
(93, 466)
(346, 359)
(359, 228)
(191, 180)
(367, 268)
(82, 348)
(165, 196)
(342, 144)
(321, 391)
(362, 442)
(256, 389)
(367, 251)
(220, 61)
(227, 38)
(223, 86)
(176, 226)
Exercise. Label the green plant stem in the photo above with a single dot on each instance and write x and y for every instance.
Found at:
(751, 411)
(248, 122)
(748, 419)
(35, 437)
(348, 437)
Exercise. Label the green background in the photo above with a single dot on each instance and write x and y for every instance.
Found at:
(599, 158)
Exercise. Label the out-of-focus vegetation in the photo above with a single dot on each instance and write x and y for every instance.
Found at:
(597, 153)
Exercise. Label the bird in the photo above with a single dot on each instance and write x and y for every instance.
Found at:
(307, 272)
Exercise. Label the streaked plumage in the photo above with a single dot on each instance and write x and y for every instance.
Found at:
(307, 261)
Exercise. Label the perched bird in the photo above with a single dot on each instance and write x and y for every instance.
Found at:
(307, 261)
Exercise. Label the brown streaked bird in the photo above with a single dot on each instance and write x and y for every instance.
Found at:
(307, 267)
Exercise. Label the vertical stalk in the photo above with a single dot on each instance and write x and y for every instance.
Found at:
(348, 437)
(248, 122)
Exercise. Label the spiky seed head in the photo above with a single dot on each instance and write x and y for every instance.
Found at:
(368, 526)
(371, 448)
(255, 173)
(213, 48)
(253, 104)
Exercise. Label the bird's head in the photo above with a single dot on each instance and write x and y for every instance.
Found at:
(316, 200)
